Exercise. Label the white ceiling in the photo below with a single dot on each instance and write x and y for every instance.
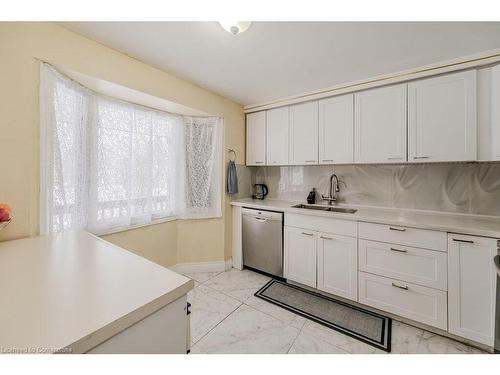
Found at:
(274, 60)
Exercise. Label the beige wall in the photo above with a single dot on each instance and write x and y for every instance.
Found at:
(21, 44)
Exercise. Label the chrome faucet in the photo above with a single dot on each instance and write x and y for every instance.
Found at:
(334, 189)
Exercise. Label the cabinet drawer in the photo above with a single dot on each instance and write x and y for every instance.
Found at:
(419, 266)
(427, 239)
(411, 301)
(322, 224)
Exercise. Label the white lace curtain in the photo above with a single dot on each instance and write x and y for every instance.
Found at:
(108, 164)
(202, 191)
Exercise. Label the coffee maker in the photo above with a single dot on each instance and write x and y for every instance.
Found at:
(260, 191)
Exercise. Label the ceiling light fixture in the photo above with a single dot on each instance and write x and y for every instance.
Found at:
(235, 27)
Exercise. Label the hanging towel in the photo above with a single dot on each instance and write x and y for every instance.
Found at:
(232, 178)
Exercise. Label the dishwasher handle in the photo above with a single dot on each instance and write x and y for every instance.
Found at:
(262, 215)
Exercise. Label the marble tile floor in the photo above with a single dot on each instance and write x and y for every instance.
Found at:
(227, 318)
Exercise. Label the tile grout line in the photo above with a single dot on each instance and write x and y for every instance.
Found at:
(215, 326)
(295, 339)
(226, 294)
(210, 278)
(272, 316)
(323, 341)
(210, 330)
(215, 290)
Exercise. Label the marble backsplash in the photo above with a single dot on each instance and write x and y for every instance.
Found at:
(452, 187)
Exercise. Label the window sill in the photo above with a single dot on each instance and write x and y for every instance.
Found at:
(135, 226)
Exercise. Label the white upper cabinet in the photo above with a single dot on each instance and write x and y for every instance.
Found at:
(277, 136)
(380, 125)
(336, 130)
(488, 113)
(472, 287)
(485, 109)
(304, 134)
(442, 118)
(453, 117)
(495, 113)
(256, 138)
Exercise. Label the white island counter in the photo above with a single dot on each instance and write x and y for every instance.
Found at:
(76, 293)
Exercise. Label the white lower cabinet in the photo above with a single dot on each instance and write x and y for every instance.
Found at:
(300, 255)
(338, 265)
(408, 300)
(472, 287)
(162, 332)
(419, 266)
(451, 287)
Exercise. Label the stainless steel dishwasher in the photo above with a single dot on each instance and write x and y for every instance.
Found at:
(263, 240)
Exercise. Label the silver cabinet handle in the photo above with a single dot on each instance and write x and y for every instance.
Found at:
(400, 286)
(398, 229)
(395, 158)
(259, 162)
(421, 157)
(326, 160)
(307, 234)
(398, 250)
(465, 241)
(260, 219)
(310, 161)
(325, 238)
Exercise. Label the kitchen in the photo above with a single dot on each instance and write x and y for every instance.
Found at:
(397, 233)
(161, 197)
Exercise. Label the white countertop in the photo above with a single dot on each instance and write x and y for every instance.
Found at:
(75, 290)
(488, 226)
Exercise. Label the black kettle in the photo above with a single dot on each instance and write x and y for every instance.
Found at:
(260, 191)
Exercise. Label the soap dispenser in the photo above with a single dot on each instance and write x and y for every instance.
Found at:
(311, 198)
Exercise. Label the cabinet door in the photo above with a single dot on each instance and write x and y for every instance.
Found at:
(380, 125)
(336, 130)
(256, 138)
(495, 112)
(472, 287)
(277, 136)
(442, 118)
(338, 265)
(304, 134)
(300, 256)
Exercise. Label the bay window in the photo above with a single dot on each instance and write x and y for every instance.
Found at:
(108, 164)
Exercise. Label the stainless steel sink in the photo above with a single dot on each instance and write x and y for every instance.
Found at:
(326, 208)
